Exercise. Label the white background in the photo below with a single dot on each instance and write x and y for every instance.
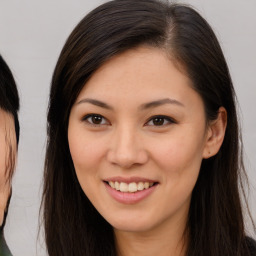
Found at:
(32, 33)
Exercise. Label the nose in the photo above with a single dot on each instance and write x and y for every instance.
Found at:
(126, 149)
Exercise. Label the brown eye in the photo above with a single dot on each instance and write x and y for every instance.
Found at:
(160, 121)
(95, 119)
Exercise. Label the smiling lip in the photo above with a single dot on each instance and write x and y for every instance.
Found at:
(128, 197)
(129, 179)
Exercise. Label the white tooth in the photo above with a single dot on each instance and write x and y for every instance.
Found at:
(117, 185)
(151, 184)
(111, 184)
(132, 187)
(123, 187)
(146, 185)
(140, 186)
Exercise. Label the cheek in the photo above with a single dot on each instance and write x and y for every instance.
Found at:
(179, 162)
(86, 153)
(2, 153)
(2, 160)
(180, 159)
(179, 152)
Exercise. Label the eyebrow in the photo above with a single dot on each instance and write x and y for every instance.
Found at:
(160, 102)
(95, 102)
(144, 106)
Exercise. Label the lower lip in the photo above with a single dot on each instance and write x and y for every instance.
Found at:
(129, 198)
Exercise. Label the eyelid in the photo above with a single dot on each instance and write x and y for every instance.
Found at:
(86, 117)
(169, 119)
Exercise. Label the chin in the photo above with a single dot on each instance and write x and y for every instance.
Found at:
(131, 224)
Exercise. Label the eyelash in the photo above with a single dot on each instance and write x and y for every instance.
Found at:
(90, 116)
(164, 120)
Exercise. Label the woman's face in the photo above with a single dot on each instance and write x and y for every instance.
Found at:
(7, 142)
(139, 127)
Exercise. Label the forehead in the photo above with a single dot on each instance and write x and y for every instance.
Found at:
(143, 73)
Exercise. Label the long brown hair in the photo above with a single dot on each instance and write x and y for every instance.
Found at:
(215, 222)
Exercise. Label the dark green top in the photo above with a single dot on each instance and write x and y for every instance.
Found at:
(4, 250)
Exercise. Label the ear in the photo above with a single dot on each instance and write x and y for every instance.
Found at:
(215, 134)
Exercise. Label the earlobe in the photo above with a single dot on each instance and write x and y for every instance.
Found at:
(215, 134)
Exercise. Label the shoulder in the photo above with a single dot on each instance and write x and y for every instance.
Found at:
(251, 245)
(4, 250)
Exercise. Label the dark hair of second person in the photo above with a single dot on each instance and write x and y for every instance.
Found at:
(9, 135)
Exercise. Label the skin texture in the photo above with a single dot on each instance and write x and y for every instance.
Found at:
(7, 139)
(129, 142)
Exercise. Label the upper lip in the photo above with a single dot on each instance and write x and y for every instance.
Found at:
(129, 179)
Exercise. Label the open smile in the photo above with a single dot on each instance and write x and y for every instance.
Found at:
(129, 192)
(130, 187)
